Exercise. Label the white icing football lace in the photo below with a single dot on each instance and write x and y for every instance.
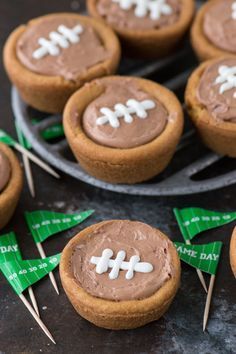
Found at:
(234, 10)
(62, 38)
(227, 78)
(132, 107)
(157, 8)
(134, 264)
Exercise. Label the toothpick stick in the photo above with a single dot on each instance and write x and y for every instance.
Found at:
(51, 276)
(33, 300)
(36, 317)
(26, 162)
(36, 160)
(208, 301)
(28, 174)
(199, 272)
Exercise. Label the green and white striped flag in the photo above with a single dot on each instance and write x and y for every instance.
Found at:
(6, 138)
(192, 221)
(43, 224)
(204, 257)
(22, 274)
(9, 249)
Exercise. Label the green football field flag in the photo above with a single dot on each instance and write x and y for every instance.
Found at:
(204, 257)
(43, 224)
(6, 138)
(192, 221)
(9, 249)
(22, 274)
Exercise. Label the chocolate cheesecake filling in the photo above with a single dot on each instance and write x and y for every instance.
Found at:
(115, 16)
(5, 171)
(69, 55)
(217, 90)
(135, 239)
(219, 25)
(138, 131)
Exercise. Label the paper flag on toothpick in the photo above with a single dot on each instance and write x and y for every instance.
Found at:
(205, 257)
(22, 274)
(6, 139)
(192, 221)
(43, 224)
(9, 249)
(26, 162)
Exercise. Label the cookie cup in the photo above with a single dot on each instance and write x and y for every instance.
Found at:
(202, 46)
(50, 93)
(218, 136)
(111, 314)
(151, 43)
(116, 165)
(232, 252)
(10, 195)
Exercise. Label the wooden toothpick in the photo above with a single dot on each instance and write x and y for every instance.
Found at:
(33, 300)
(199, 272)
(26, 163)
(29, 176)
(36, 160)
(51, 276)
(208, 301)
(36, 317)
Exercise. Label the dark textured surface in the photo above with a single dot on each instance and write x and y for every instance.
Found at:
(180, 330)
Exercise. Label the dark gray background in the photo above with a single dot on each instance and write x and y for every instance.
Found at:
(180, 330)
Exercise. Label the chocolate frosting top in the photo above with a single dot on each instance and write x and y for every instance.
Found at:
(127, 135)
(221, 106)
(219, 25)
(71, 62)
(135, 238)
(116, 16)
(5, 171)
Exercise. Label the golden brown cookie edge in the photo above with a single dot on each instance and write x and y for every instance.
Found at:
(123, 165)
(116, 315)
(151, 44)
(219, 137)
(50, 93)
(10, 195)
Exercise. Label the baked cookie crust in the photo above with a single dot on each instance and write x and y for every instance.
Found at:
(218, 136)
(153, 43)
(116, 315)
(50, 93)
(203, 48)
(10, 195)
(232, 252)
(115, 165)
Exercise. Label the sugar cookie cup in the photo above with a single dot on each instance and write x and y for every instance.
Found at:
(232, 252)
(9, 196)
(150, 43)
(117, 314)
(203, 47)
(50, 93)
(117, 165)
(219, 136)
